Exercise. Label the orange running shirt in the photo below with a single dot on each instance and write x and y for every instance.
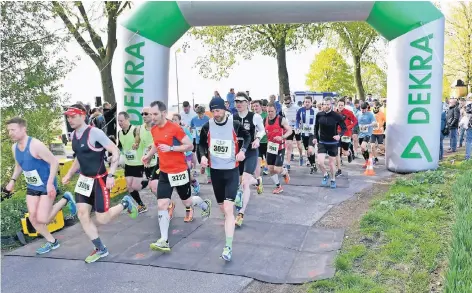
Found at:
(380, 117)
(170, 134)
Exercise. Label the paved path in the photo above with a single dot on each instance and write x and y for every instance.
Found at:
(276, 244)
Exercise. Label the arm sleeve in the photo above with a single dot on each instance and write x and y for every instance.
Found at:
(298, 118)
(96, 135)
(342, 124)
(353, 119)
(317, 126)
(203, 144)
(259, 126)
(243, 133)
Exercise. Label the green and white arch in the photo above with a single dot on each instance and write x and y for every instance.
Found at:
(415, 31)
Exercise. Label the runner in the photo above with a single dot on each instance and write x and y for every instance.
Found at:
(278, 129)
(170, 142)
(366, 122)
(220, 150)
(188, 157)
(128, 143)
(252, 122)
(326, 134)
(306, 124)
(355, 130)
(144, 140)
(39, 167)
(261, 163)
(92, 189)
(345, 142)
(377, 138)
(196, 126)
(290, 112)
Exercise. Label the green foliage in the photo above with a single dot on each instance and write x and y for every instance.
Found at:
(404, 236)
(330, 72)
(357, 39)
(458, 44)
(225, 45)
(459, 275)
(30, 75)
(374, 79)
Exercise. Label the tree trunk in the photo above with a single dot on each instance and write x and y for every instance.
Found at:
(108, 90)
(358, 78)
(284, 86)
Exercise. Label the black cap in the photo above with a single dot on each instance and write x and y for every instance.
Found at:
(217, 103)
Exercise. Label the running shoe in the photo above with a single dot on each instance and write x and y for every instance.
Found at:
(238, 201)
(239, 220)
(142, 209)
(206, 213)
(71, 204)
(324, 182)
(278, 190)
(47, 247)
(96, 255)
(227, 253)
(160, 245)
(260, 186)
(196, 187)
(132, 209)
(333, 184)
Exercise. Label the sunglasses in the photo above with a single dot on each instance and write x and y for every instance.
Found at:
(144, 114)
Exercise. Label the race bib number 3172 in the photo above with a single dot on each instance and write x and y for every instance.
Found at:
(178, 179)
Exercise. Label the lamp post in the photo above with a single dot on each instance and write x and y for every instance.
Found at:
(177, 80)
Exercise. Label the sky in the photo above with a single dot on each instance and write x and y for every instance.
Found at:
(258, 75)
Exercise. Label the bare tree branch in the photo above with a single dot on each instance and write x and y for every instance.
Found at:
(96, 40)
(75, 32)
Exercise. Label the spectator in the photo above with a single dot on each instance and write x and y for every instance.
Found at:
(109, 113)
(216, 94)
(452, 120)
(444, 132)
(97, 120)
(230, 98)
(278, 106)
(187, 114)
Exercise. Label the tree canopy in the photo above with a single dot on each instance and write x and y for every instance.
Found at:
(330, 72)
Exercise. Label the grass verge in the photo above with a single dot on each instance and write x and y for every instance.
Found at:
(401, 243)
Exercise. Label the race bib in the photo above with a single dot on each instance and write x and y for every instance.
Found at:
(131, 155)
(376, 126)
(220, 148)
(84, 185)
(198, 130)
(346, 139)
(364, 128)
(178, 179)
(308, 129)
(153, 159)
(32, 178)
(273, 148)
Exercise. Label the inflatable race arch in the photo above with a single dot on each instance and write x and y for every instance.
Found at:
(415, 31)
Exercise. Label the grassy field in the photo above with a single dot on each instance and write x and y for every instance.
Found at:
(403, 243)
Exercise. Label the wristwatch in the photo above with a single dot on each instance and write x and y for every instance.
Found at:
(111, 175)
(172, 148)
(243, 150)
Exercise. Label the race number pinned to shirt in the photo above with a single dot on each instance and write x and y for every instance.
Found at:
(198, 130)
(220, 148)
(131, 156)
(346, 139)
(32, 178)
(364, 128)
(376, 126)
(308, 129)
(273, 148)
(84, 185)
(178, 179)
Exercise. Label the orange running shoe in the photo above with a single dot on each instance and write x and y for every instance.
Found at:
(287, 178)
(188, 215)
(278, 190)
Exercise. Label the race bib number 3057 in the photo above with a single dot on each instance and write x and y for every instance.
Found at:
(220, 148)
(84, 185)
(32, 178)
(178, 179)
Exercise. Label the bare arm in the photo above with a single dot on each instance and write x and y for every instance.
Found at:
(75, 166)
(287, 127)
(186, 146)
(137, 138)
(45, 154)
(17, 171)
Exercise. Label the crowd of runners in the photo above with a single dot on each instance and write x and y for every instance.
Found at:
(234, 143)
